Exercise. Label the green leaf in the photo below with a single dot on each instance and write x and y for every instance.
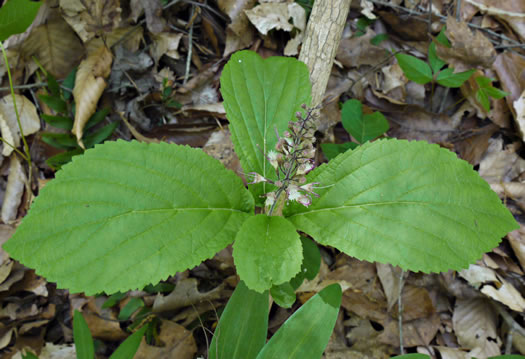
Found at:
(16, 16)
(141, 212)
(306, 333)
(69, 83)
(414, 68)
(410, 204)
(129, 347)
(495, 93)
(363, 128)
(29, 355)
(57, 161)
(312, 258)
(448, 78)
(82, 336)
(100, 135)
(508, 356)
(331, 150)
(53, 85)
(267, 251)
(131, 307)
(64, 141)
(55, 103)
(241, 332)
(283, 295)
(260, 97)
(483, 99)
(311, 263)
(62, 122)
(483, 81)
(378, 39)
(412, 356)
(113, 300)
(435, 62)
(96, 118)
(442, 38)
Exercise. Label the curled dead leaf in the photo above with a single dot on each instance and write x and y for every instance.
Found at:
(29, 120)
(89, 85)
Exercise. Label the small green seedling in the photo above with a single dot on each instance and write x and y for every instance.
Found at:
(127, 214)
(60, 101)
(363, 127)
(486, 90)
(422, 73)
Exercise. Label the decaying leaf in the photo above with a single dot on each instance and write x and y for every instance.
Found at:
(474, 323)
(15, 188)
(167, 44)
(510, 11)
(269, 16)
(468, 49)
(239, 34)
(177, 342)
(153, 11)
(89, 84)
(185, 294)
(55, 46)
(8, 123)
(130, 36)
(96, 17)
(500, 164)
(519, 107)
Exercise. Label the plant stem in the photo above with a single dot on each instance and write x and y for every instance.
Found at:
(26, 147)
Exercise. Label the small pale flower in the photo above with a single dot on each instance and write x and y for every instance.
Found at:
(304, 168)
(270, 199)
(273, 158)
(304, 200)
(293, 192)
(309, 187)
(257, 178)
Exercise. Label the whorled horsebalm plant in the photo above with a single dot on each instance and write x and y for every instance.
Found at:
(126, 214)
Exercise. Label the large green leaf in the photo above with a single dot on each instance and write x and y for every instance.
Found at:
(306, 333)
(267, 251)
(260, 97)
(241, 332)
(126, 214)
(410, 204)
(16, 16)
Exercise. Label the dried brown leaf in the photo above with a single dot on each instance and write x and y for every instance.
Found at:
(89, 86)
(55, 46)
(8, 122)
(16, 183)
(474, 323)
(468, 49)
(97, 17)
(239, 34)
(177, 342)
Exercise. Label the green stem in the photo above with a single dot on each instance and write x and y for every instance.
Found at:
(27, 156)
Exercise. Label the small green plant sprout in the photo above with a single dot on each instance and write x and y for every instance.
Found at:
(127, 214)
(363, 127)
(486, 90)
(166, 94)
(60, 100)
